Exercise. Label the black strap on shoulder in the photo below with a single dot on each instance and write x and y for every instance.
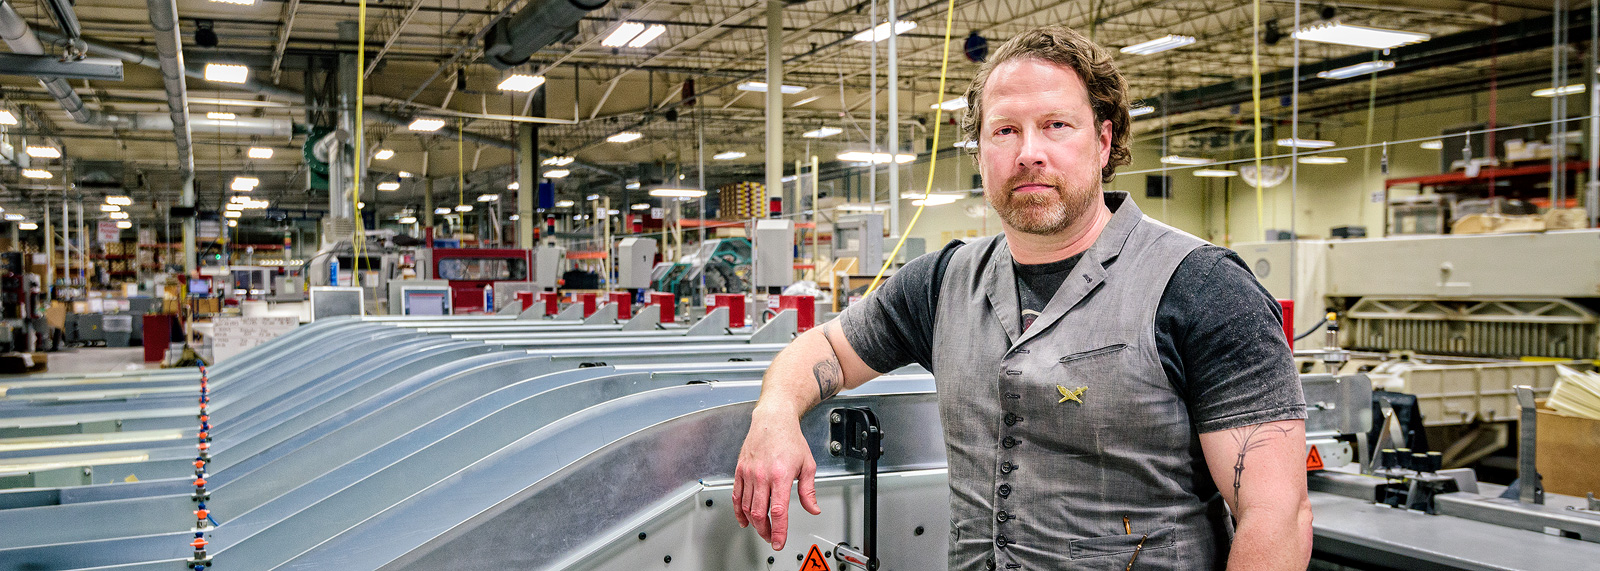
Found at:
(938, 270)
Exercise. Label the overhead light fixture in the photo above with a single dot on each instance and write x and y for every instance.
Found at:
(592, 197)
(632, 185)
(935, 199)
(237, 2)
(1563, 90)
(36, 173)
(1158, 45)
(967, 144)
(514, 185)
(625, 137)
(951, 104)
(822, 132)
(728, 155)
(1141, 110)
(119, 200)
(389, 185)
(565, 204)
(6, 118)
(880, 32)
(260, 153)
(488, 197)
(425, 124)
(1305, 143)
(1321, 160)
(624, 32)
(384, 154)
(878, 158)
(407, 220)
(44, 152)
(648, 34)
(113, 215)
(442, 210)
(559, 161)
(359, 205)
(221, 115)
(262, 204)
(641, 206)
(1359, 36)
(806, 100)
(1350, 71)
(245, 183)
(613, 212)
(761, 87)
(521, 82)
(240, 198)
(28, 226)
(233, 206)
(463, 208)
(513, 218)
(233, 223)
(1182, 160)
(557, 173)
(1215, 173)
(14, 217)
(227, 73)
(110, 208)
(232, 213)
(677, 192)
(124, 224)
(404, 174)
(1433, 145)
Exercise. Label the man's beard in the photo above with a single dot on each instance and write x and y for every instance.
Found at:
(1040, 213)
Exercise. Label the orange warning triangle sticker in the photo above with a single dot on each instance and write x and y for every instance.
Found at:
(814, 561)
(1314, 460)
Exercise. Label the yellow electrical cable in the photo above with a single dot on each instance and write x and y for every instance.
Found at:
(461, 175)
(1255, 97)
(933, 159)
(360, 238)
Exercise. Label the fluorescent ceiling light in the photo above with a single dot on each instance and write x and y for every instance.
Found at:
(404, 174)
(113, 215)
(6, 118)
(235, 223)
(233, 206)
(1141, 110)
(1357, 69)
(967, 144)
(648, 34)
(641, 206)
(592, 197)
(1546, 92)
(556, 173)
(951, 104)
(221, 115)
(625, 137)
(1433, 145)
(44, 152)
(119, 200)
(36, 173)
(677, 192)
(384, 154)
(728, 155)
(513, 218)
(1182, 160)
(1359, 36)
(806, 100)
(880, 32)
(262, 204)
(761, 87)
(425, 124)
(822, 132)
(389, 185)
(237, 2)
(514, 185)
(521, 82)
(565, 204)
(235, 102)
(632, 185)
(560, 161)
(240, 198)
(110, 208)
(1215, 173)
(624, 32)
(245, 183)
(1158, 45)
(408, 220)
(1321, 160)
(463, 208)
(260, 153)
(124, 224)
(227, 73)
(232, 213)
(488, 197)
(14, 217)
(27, 226)
(442, 210)
(613, 212)
(1305, 143)
(935, 200)
(879, 158)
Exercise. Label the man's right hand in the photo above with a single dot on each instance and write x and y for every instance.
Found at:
(775, 454)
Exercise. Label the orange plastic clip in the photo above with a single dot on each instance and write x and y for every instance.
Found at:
(198, 482)
(198, 543)
(201, 514)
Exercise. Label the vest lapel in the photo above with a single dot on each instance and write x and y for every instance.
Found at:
(1000, 285)
(1090, 271)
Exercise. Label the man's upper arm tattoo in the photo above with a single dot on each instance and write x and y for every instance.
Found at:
(1250, 438)
(829, 374)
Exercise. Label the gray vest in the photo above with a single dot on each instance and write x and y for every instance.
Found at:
(1056, 434)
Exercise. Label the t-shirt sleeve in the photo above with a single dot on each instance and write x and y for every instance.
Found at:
(893, 327)
(1232, 363)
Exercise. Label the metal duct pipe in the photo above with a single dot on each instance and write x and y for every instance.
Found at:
(20, 37)
(164, 19)
(513, 39)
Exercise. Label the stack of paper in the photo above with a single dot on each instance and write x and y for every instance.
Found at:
(1576, 393)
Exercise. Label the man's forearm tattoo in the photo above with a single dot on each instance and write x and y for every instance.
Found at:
(829, 375)
(1250, 438)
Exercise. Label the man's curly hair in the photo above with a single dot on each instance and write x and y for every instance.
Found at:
(1108, 91)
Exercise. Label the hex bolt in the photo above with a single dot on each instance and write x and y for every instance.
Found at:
(835, 417)
(835, 446)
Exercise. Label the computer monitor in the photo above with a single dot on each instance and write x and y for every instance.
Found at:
(425, 301)
(199, 287)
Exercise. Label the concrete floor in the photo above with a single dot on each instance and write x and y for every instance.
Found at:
(98, 360)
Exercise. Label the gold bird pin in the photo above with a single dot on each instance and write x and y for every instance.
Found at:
(1071, 394)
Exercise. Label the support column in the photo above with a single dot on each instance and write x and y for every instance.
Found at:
(528, 172)
(190, 252)
(50, 253)
(427, 204)
(894, 122)
(774, 149)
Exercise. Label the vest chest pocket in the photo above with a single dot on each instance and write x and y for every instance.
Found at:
(1067, 402)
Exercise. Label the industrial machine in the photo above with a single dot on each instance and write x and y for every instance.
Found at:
(725, 264)
(472, 273)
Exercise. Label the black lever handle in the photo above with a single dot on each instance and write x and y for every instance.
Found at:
(854, 433)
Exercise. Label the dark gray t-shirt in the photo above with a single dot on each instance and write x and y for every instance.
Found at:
(1218, 332)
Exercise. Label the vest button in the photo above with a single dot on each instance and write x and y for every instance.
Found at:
(1012, 419)
(1007, 467)
(1002, 516)
(1009, 442)
(1001, 541)
(1005, 490)
(988, 564)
